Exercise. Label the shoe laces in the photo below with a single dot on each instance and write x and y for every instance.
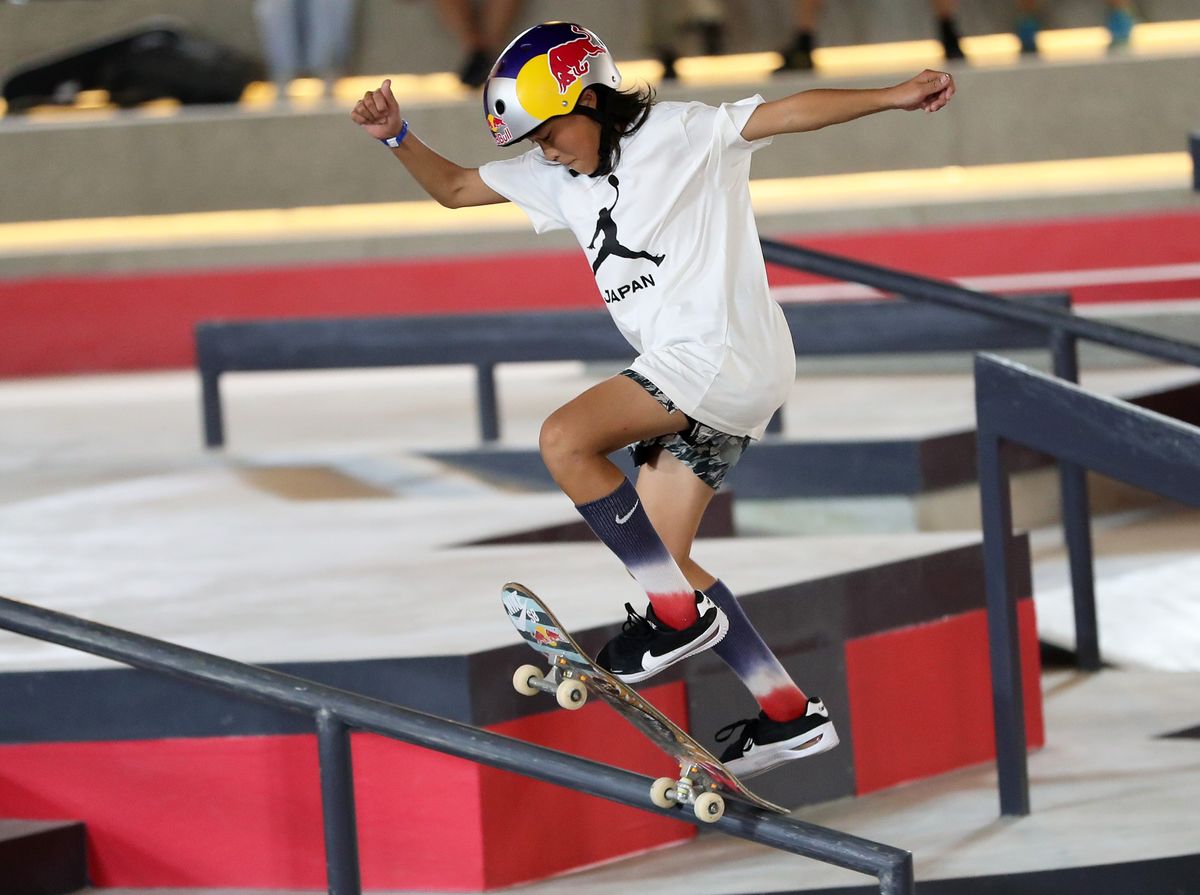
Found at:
(636, 626)
(742, 728)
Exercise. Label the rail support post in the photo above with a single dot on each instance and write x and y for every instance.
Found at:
(1076, 520)
(1008, 698)
(337, 804)
(489, 412)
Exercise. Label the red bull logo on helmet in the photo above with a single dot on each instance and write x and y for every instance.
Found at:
(569, 61)
(500, 131)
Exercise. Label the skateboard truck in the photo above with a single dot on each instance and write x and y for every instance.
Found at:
(667, 792)
(568, 686)
(566, 683)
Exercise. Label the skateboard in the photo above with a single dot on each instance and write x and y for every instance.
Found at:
(703, 781)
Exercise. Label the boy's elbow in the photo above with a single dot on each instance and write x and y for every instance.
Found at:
(451, 197)
(453, 194)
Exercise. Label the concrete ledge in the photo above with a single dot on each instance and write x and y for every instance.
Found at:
(225, 158)
(391, 33)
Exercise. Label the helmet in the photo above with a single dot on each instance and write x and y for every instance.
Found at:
(540, 75)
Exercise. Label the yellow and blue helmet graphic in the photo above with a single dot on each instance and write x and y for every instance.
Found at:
(540, 75)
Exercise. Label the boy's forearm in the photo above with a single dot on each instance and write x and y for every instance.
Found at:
(437, 175)
(815, 109)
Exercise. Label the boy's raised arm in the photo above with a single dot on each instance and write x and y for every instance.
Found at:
(451, 185)
(811, 110)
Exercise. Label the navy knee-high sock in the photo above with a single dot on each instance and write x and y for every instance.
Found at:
(622, 524)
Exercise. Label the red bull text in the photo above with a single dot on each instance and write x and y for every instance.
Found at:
(500, 132)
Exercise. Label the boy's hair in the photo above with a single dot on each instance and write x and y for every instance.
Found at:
(620, 113)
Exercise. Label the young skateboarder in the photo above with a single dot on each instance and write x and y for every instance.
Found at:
(678, 262)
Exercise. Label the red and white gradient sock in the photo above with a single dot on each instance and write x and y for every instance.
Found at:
(744, 650)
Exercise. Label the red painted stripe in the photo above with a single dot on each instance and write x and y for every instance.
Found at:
(912, 718)
(244, 812)
(1018, 247)
(143, 322)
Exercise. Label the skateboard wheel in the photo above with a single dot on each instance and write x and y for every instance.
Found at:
(571, 694)
(709, 807)
(662, 792)
(523, 679)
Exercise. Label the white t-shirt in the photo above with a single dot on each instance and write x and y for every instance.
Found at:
(675, 251)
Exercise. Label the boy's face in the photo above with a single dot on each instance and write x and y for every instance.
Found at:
(571, 140)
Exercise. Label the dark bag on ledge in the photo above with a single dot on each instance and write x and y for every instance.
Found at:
(153, 62)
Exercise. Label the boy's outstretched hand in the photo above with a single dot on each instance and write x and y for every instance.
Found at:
(377, 112)
(930, 90)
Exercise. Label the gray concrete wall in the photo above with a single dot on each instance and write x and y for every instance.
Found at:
(206, 160)
(407, 36)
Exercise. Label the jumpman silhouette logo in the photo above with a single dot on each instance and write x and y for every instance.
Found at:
(610, 246)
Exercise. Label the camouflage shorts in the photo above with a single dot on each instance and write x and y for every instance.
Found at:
(706, 451)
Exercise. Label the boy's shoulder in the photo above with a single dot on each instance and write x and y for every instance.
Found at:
(667, 109)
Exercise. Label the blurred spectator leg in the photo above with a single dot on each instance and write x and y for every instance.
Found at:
(663, 22)
(459, 16)
(497, 17)
(708, 17)
(798, 55)
(1028, 26)
(279, 31)
(947, 13)
(329, 38)
(1120, 23)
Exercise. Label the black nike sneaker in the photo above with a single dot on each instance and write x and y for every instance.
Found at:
(647, 645)
(760, 744)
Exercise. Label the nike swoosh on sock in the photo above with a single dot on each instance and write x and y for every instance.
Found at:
(621, 520)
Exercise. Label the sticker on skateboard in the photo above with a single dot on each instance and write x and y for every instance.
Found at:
(703, 780)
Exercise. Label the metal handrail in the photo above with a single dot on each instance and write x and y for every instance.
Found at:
(1063, 330)
(918, 288)
(335, 711)
(1119, 440)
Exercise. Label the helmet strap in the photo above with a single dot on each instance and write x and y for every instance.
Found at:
(601, 117)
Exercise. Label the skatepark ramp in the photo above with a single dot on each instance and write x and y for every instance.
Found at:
(335, 712)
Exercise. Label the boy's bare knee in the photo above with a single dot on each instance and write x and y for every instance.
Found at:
(559, 442)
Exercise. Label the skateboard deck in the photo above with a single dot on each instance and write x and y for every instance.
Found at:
(573, 674)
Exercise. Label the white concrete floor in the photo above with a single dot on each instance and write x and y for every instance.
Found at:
(318, 518)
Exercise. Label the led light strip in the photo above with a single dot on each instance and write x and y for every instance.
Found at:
(770, 197)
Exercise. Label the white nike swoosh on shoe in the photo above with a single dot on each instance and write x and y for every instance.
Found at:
(621, 520)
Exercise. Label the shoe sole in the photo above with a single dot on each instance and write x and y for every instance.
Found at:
(722, 628)
(818, 740)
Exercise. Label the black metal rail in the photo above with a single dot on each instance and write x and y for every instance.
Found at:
(951, 295)
(1145, 449)
(335, 712)
(488, 340)
(1063, 330)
